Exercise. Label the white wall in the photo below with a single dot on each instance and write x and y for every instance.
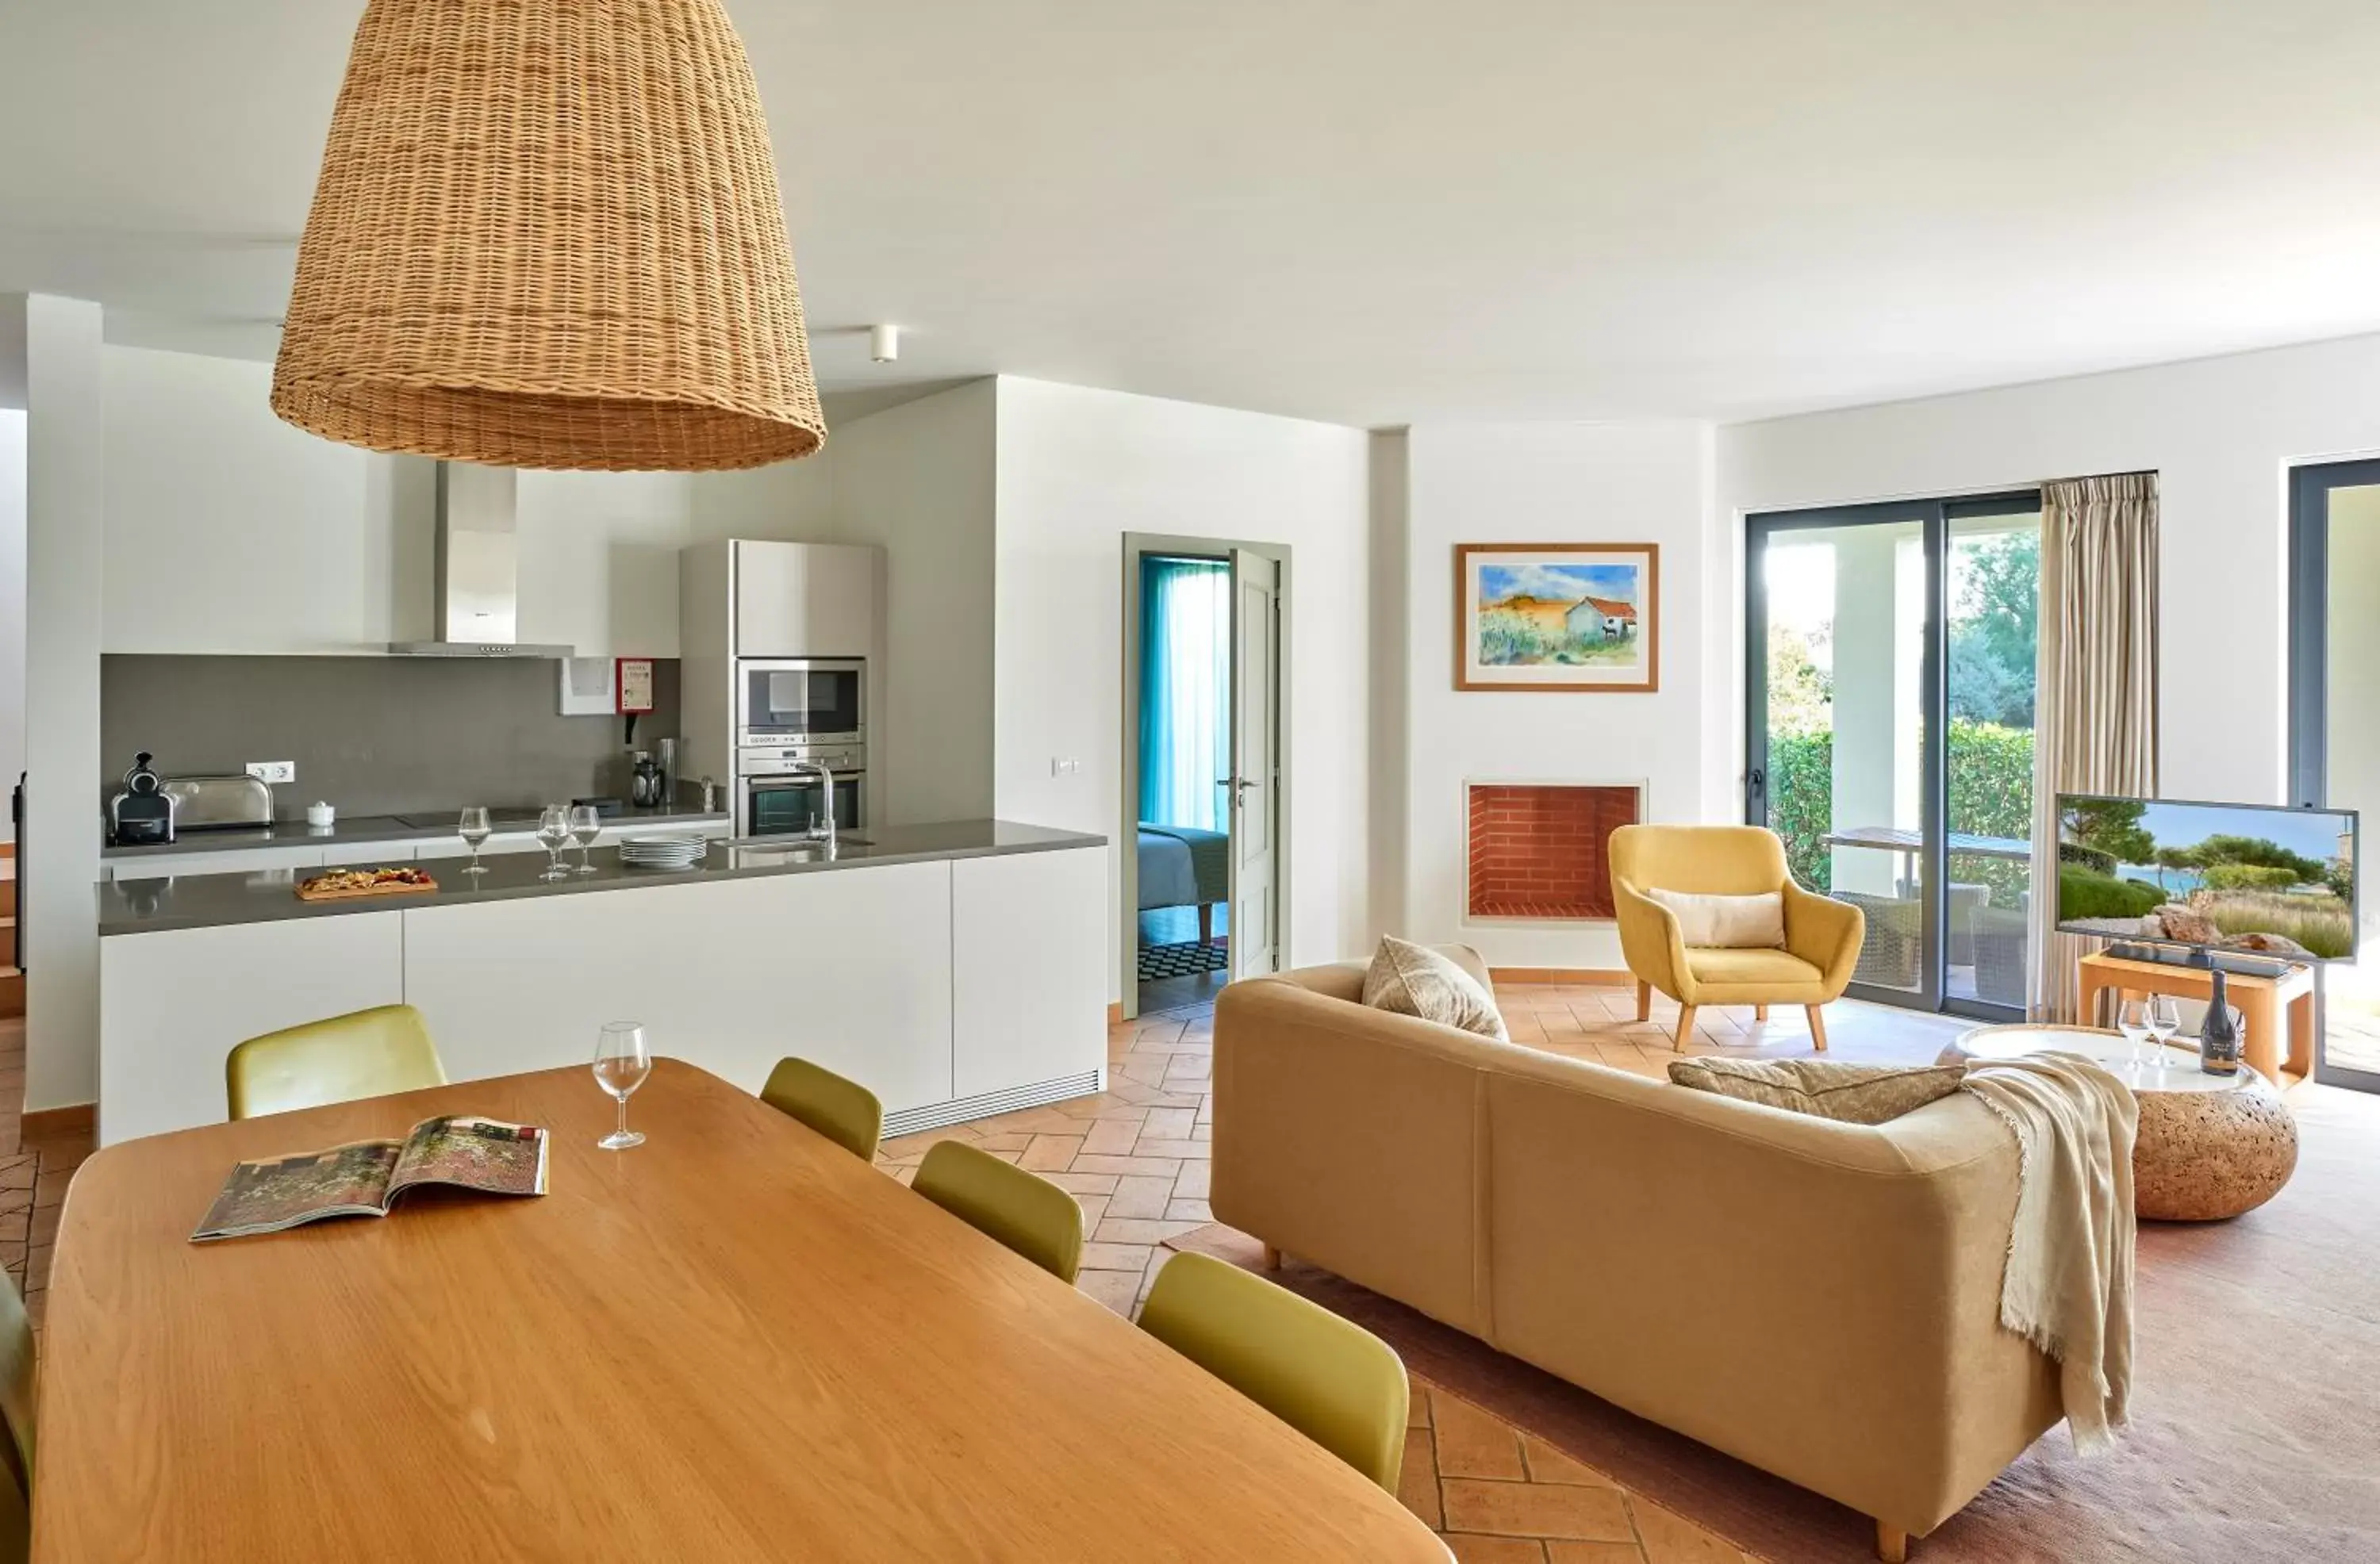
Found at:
(12, 591)
(790, 501)
(1079, 468)
(2221, 432)
(1551, 483)
(917, 479)
(63, 481)
(231, 531)
(1391, 569)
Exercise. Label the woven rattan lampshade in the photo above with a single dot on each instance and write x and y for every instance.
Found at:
(547, 235)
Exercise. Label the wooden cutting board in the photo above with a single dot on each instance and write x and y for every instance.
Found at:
(369, 893)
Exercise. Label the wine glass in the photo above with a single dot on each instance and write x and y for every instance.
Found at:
(2165, 1020)
(621, 1066)
(586, 825)
(2133, 1021)
(553, 830)
(474, 829)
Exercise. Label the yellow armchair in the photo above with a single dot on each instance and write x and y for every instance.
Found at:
(1822, 936)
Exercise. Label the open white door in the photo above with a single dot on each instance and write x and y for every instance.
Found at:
(1255, 781)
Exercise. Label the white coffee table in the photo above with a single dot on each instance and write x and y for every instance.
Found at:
(2210, 1146)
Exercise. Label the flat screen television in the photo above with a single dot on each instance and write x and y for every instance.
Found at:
(2255, 879)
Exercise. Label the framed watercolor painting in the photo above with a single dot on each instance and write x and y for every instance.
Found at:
(1558, 617)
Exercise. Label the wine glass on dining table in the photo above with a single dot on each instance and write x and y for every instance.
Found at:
(475, 830)
(554, 830)
(621, 1065)
(586, 825)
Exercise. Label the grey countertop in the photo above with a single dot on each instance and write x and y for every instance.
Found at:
(364, 829)
(206, 900)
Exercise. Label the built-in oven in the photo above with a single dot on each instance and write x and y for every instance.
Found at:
(779, 794)
(783, 702)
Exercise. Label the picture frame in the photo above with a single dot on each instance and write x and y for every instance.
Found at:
(1557, 618)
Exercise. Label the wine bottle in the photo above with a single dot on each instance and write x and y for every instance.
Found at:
(2218, 1039)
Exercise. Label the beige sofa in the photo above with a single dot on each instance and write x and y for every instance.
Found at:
(1818, 1299)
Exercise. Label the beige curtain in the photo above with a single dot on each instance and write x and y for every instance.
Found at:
(2096, 715)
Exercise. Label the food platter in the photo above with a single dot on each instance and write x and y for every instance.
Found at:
(361, 885)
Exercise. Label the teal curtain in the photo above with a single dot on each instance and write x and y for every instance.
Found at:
(1185, 690)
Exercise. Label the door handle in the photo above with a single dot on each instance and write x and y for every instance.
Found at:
(1237, 785)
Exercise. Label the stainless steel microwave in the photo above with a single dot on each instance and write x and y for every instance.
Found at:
(800, 700)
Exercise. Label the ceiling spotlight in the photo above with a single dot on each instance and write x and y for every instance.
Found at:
(884, 343)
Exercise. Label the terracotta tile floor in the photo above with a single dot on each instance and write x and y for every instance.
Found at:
(1136, 1158)
(33, 1177)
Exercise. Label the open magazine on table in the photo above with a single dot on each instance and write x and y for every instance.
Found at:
(364, 1178)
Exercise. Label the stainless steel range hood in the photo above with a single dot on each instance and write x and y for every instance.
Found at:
(475, 596)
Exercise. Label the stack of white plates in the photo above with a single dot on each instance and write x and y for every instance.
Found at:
(662, 852)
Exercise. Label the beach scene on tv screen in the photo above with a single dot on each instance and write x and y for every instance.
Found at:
(2279, 881)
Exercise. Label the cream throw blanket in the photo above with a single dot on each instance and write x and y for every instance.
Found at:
(2069, 1285)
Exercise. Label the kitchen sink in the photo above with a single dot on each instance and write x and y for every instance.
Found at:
(796, 849)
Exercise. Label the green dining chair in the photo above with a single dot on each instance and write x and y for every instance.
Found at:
(17, 1410)
(1023, 1211)
(1332, 1380)
(365, 1053)
(843, 1111)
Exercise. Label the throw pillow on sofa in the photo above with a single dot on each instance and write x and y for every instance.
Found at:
(1410, 979)
(1854, 1094)
(1735, 923)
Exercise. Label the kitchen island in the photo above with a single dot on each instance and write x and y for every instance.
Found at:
(957, 970)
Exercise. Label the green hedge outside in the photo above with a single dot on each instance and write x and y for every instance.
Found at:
(1991, 794)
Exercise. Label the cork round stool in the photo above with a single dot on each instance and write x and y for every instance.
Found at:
(2209, 1148)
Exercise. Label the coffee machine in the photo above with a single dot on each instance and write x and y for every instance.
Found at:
(141, 816)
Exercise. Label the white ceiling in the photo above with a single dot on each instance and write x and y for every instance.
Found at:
(1377, 211)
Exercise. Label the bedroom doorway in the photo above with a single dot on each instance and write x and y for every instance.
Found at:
(1202, 767)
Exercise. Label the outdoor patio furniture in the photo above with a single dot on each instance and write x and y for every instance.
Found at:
(1896, 940)
(1966, 901)
(2000, 940)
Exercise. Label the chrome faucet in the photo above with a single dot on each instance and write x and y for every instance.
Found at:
(819, 833)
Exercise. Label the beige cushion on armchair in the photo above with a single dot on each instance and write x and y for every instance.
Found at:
(1735, 923)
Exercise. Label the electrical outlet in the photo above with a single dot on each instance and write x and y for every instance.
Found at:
(272, 770)
(1061, 766)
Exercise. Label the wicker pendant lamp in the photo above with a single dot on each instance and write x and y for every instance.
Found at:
(547, 235)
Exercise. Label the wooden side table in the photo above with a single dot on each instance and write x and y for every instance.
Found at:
(2259, 1001)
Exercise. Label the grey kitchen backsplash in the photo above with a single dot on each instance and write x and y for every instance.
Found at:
(374, 735)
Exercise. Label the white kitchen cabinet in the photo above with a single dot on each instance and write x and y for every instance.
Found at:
(849, 967)
(806, 600)
(1029, 969)
(173, 1004)
(235, 860)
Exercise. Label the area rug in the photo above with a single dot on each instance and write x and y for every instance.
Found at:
(1182, 960)
(2255, 1435)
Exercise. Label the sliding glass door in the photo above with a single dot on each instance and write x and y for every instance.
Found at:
(2335, 722)
(1890, 676)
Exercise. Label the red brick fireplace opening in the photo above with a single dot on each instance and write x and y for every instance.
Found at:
(1538, 849)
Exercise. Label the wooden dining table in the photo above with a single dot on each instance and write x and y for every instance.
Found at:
(735, 1341)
